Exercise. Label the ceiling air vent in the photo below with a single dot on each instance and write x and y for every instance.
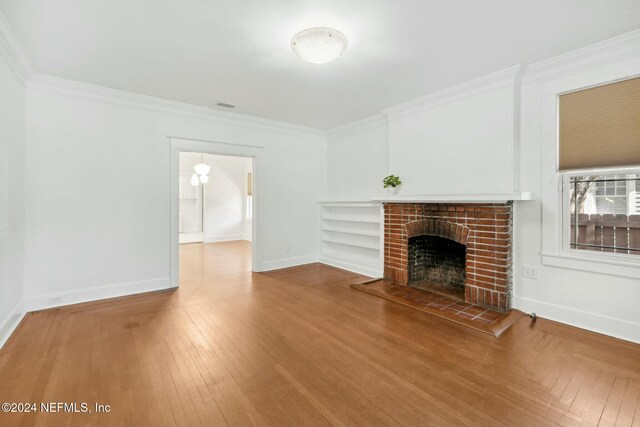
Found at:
(225, 105)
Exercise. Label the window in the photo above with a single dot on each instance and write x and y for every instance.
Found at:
(248, 208)
(248, 203)
(599, 129)
(588, 133)
(603, 212)
(610, 195)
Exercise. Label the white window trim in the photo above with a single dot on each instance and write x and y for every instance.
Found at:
(554, 252)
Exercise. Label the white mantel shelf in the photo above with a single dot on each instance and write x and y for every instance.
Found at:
(456, 198)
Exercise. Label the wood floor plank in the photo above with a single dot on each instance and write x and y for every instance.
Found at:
(298, 347)
(599, 396)
(612, 406)
(628, 404)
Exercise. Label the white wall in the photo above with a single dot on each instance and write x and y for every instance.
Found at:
(457, 141)
(462, 147)
(359, 159)
(225, 199)
(98, 195)
(12, 198)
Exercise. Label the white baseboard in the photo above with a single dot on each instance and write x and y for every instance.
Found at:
(40, 302)
(619, 328)
(285, 263)
(11, 322)
(224, 238)
(190, 238)
(353, 266)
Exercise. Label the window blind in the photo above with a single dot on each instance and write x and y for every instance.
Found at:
(600, 126)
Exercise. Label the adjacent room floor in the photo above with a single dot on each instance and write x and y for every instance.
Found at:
(299, 347)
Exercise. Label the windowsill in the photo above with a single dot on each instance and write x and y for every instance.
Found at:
(617, 267)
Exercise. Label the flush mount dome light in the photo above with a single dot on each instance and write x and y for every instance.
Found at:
(319, 45)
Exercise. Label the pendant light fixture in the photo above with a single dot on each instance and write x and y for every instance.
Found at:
(202, 169)
(202, 172)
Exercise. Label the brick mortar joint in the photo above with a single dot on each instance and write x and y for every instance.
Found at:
(490, 230)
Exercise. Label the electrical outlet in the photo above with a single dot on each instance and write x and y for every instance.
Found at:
(54, 300)
(529, 272)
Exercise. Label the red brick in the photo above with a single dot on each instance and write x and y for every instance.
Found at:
(485, 229)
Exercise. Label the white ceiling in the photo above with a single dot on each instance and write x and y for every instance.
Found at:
(237, 51)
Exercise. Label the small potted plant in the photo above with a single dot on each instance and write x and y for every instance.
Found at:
(392, 184)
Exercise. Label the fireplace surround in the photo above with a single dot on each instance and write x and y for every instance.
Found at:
(464, 247)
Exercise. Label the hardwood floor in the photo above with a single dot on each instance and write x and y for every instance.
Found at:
(299, 347)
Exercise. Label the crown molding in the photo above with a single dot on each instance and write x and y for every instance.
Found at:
(42, 82)
(361, 125)
(618, 48)
(490, 82)
(11, 50)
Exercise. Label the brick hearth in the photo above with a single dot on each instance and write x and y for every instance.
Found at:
(485, 229)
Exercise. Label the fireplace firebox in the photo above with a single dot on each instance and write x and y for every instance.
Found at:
(436, 263)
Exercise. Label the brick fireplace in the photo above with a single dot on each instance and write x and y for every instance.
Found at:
(462, 247)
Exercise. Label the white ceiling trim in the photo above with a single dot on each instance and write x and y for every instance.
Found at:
(358, 126)
(209, 141)
(11, 50)
(617, 48)
(490, 82)
(119, 97)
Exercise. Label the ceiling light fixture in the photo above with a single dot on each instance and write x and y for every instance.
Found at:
(319, 45)
(202, 169)
(202, 172)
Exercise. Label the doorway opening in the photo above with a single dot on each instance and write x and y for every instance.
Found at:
(215, 207)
